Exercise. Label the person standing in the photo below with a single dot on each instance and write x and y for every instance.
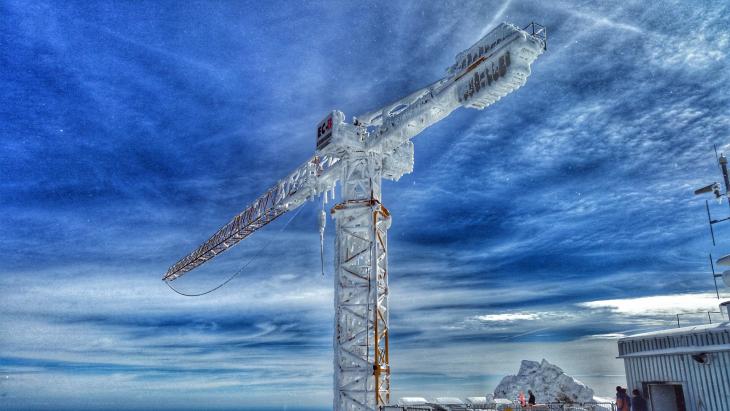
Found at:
(638, 403)
(521, 399)
(531, 400)
(623, 402)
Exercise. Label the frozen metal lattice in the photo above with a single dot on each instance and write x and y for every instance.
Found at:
(285, 195)
(361, 360)
(360, 154)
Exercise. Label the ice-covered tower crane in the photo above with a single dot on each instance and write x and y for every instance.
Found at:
(359, 154)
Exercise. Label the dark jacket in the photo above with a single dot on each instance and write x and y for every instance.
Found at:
(531, 401)
(638, 403)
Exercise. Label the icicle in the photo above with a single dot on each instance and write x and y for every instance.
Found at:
(322, 224)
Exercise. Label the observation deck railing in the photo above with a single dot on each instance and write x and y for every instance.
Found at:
(555, 406)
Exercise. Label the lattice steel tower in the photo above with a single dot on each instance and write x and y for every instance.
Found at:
(359, 154)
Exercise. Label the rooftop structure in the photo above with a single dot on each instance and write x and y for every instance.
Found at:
(678, 369)
(685, 368)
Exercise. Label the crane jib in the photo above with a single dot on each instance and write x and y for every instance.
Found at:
(261, 212)
(239, 228)
(405, 120)
(283, 196)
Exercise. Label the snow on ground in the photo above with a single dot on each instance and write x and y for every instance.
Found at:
(548, 382)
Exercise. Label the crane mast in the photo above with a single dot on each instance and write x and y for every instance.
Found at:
(359, 155)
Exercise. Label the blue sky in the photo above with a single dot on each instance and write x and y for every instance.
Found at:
(542, 227)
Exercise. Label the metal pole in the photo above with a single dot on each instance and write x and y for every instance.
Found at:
(678, 321)
(714, 277)
(709, 219)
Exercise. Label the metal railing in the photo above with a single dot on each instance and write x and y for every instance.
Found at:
(555, 406)
(708, 313)
(537, 30)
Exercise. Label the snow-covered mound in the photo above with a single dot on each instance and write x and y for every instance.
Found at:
(412, 401)
(488, 399)
(547, 381)
(448, 400)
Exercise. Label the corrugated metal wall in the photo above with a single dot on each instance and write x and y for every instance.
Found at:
(706, 386)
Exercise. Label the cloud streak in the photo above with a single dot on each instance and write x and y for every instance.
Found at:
(549, 225)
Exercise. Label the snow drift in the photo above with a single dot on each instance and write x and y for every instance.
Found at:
(547, 381)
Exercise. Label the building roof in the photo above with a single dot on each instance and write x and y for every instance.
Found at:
(695, 339)
(679, 350)
(673, 332)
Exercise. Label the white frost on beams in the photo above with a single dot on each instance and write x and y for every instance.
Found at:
(547, 381)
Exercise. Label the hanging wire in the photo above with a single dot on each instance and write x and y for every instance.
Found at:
(243, 267)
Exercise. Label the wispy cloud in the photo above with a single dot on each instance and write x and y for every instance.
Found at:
(659, 305)
(549, 225)
(507, 317)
